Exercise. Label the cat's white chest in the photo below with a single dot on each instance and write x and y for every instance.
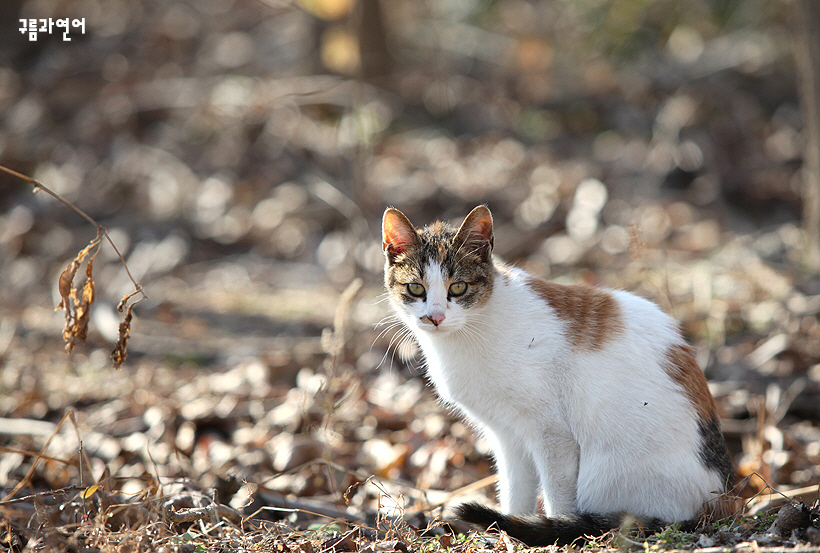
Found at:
(502, 366)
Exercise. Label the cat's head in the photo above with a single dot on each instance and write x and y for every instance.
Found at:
(435, 275)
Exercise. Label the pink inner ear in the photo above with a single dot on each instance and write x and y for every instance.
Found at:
(476, 232)
(397, 238)
(484, 227)
(481, 229)
(395, 245)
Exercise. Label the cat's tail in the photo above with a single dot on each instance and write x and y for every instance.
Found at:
(540, 531)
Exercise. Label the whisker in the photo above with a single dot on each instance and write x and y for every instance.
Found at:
(475, 332)
(397, 338)
(389, 351)
(384, 358)
(383, 333)
(381, 298)
(404, 336)
(388, 319)
(388, 328)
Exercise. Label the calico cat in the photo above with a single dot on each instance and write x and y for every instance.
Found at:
(589, 395)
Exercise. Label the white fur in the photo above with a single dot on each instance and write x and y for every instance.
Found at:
(597, 431)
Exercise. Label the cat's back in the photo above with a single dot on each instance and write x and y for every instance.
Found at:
(605, 343)
(592, 318)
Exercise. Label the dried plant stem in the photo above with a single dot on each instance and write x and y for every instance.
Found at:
(101, 228)
(28, 453)
(69, 415)
(77, 320)
(49, 493)
(210, 512)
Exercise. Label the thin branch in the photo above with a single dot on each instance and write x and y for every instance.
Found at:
(77, 303)
(50, 493)
(28, 453)
(101, 228)
(39, 457)
(215, 510)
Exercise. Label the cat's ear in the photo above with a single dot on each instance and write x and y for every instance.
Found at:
(476, 232)
(398, 234)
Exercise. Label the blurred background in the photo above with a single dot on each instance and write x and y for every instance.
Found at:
(241, 153)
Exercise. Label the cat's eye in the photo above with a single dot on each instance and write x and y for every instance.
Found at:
(458, 288)
(415, 289)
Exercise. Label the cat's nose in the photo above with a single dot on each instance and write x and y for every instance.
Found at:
(436, 318)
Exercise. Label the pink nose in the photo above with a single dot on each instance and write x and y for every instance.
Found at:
(437, 318)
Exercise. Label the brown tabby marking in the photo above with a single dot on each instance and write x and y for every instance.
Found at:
(592, 315)
(680, 364)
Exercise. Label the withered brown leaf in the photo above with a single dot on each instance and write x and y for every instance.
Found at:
(83, 307)
(66, 283)
(77, 305)
(120, 353)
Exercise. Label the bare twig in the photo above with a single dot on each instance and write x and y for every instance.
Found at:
(762, 502)
(35, 454)
(40, 456)
(280, 503)
(77, 322)
(49, 493)
(103, 230)
(209, 512)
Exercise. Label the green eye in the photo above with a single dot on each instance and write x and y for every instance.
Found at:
(458, 288)
(415, 289)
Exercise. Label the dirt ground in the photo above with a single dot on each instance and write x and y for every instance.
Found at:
(240, 154)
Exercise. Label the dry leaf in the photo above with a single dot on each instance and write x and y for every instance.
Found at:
(120, 352)
(77, 305)
(83, 307)
(65, 284)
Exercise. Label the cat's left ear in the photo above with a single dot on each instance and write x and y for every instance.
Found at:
(398, 234)
(476, 232)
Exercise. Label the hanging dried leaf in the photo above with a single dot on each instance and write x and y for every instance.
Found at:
(126, 297)
(77, 305)
(120, 353)
(83, 307)
(66, 283)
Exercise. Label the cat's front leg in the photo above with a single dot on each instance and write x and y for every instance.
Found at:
(557, 458)
(517, 476)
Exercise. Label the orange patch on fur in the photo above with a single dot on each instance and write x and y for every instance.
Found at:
(681, 365)
(592, 315)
